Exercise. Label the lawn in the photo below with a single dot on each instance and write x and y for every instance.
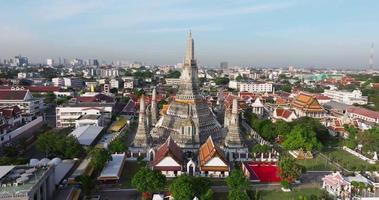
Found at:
(318, 163)
(130, 168)
(295, 194)
(349, 161)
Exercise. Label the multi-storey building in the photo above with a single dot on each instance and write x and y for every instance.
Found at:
(67, 82)
(26, 182)
(363, 114)
(346, 97)
(66, 116)
(254, 87)
(99, 104)
(29, 105)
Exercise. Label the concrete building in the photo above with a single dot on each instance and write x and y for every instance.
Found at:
(67, 82)
(251, 87)
(50, 62)
(114, 83)
(67, 115)
(109, 73)
(346, 97)
(29, 105)
(25, 182)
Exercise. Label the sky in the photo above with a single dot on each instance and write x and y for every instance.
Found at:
(322, 33)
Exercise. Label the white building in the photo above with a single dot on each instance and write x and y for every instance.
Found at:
(114, 83)
(67, 82)
(346, 97)
(109, 73)
(363, 114)
(251, 87)
(256, 87)
(21, 98)
(66, 116)
(50, 62)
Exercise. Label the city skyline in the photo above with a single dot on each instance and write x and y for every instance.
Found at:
(246, 33)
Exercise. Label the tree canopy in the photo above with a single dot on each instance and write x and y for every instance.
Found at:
(117, 146)
(55, 144)
(237, 185)
(289, 169)
(305, 132)
(187, 187)
(221, 80)
(173, 74)
(99, 158)
(147, 180)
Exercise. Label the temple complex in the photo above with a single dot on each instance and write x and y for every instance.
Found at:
(188, 119)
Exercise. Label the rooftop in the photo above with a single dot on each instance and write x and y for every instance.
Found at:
(20, 179)
(113, 168)
(86, 134)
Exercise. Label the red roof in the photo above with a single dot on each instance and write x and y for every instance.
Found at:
(364, 112)
(322, 97)
(169, 148)
(11, 111)
(35, 88)
(280, 112)
(7, 94)
(43, 88)
(96, 98)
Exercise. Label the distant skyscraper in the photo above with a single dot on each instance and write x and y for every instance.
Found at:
(21, 61)
(371, 60)
(224, 66)
(50, 62)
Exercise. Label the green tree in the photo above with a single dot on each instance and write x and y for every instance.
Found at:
(99, 158)
(147, 180)
(302, 137)
(75, 149)
(289, 169)
(173, 74)
(282, 128)
(239, 78)
(187, 187)
(208, 195)
(237, 185)
(117, 146)
(221, 80)
(86, 183)
(55, 144)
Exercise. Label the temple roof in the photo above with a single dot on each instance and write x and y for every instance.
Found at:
(307, 102)
(169, 148)
(208, 151)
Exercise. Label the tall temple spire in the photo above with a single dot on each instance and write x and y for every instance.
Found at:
(154, 110)
(190, 50)
(142, 138)
(233, 138)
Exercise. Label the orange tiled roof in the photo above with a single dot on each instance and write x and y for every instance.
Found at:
(208, 151)
(307, 102)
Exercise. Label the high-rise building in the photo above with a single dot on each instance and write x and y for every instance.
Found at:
(50, 62)
(224, 66)
(21, 61)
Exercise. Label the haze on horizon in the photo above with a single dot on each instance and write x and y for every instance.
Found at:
(278, 33)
